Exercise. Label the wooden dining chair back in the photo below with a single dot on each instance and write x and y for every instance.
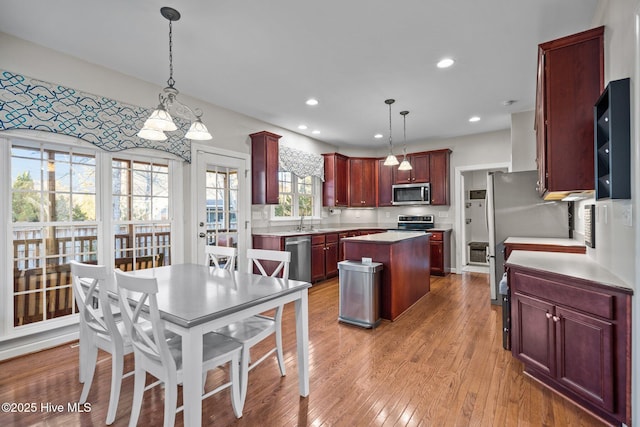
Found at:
(159, 352)
(257, 257)
(222, 257)
(99, 329)
(257, 328)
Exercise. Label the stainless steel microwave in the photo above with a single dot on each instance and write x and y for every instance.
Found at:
(411, 194)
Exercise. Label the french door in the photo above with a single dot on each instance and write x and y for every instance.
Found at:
(222, 204)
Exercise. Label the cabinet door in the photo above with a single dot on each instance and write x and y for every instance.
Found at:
(437, 257)
(368, 182)
(264, 168)
(439, 177)
(385, 181)
(362, 182)
(334, 187)
(355, 182)
(532, 333)
(317, 262)
(585, 356)
(331, 259)
(421, 171)
(572, 80)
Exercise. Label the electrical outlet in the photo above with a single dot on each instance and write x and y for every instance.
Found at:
(443, 214)
(387, 214)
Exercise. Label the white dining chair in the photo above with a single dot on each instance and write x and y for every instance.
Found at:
(99, 329)
(217, 253)
(160, 353)
(255, 329)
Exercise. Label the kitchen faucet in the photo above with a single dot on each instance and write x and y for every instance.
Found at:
(301, 226)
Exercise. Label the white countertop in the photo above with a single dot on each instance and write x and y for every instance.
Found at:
(387, 237)
(556, 241)
(573, 265)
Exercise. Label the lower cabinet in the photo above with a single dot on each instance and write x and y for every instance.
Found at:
(440, 256)
(324, 256)
(573, 336)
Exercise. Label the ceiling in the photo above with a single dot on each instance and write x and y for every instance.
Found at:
(265, 58)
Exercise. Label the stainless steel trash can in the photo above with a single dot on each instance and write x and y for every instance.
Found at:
(360, 293)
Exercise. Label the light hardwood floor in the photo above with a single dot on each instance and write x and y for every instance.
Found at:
(440, 364)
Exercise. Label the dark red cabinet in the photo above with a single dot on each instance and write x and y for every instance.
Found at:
(362, 182)
(573, 335)
(570, 81)
(336, 180)
(264, 168)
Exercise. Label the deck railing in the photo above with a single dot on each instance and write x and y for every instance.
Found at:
(42, 277)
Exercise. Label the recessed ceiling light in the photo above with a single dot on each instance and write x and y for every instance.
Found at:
(445, 63)
(474, 119)
(377, 135)
(316, 132)
(311, 101)
(302, 127)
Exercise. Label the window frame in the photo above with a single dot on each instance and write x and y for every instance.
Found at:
(316, 186)
(105, 233)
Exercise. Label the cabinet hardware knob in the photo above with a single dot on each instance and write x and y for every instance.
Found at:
(548, 315)
(556, 318)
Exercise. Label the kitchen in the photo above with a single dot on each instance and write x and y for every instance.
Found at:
(616, 248)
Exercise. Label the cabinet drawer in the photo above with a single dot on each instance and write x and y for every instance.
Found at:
(331, 237)
(436, 235)
(586, 300)
(317, 239)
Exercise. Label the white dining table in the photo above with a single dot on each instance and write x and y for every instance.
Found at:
(195, 299)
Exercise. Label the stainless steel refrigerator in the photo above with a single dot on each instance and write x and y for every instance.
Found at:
(514, 209)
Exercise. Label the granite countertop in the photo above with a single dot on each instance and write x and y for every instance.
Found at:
(543, 241)
(387, 237)
(580, 266)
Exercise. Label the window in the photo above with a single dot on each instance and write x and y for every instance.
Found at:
(63, 208)
(140, 201)
(53, 210)
(296, 195)
(222, 206)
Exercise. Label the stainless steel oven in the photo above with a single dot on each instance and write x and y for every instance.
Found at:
(415, 222)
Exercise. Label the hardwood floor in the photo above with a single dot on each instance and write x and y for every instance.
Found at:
(439, 364)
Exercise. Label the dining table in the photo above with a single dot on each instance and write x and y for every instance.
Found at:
(195, 299)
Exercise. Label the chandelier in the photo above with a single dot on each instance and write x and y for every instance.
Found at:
(404, 165)
(391, 160)
(160, 120)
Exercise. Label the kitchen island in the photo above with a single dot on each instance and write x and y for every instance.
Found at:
(406, 273)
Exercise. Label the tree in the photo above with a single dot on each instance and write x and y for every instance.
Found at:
(26, 201)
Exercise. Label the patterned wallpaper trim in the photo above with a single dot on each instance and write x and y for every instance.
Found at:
(27, 103)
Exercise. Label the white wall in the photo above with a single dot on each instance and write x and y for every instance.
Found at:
(523, 142)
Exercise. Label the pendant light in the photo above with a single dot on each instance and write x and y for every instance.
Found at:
(160, 121)
(391, 160)
(404, 165)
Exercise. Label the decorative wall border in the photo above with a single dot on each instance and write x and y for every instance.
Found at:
(27, 103)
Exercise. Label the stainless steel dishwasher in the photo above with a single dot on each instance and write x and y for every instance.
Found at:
(300, 248)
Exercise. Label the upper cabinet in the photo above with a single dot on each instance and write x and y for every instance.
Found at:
(612, 142)
(570, 80)
(367, 182)
(419, 173)
(264, 168)
(362, 182)
(439, 176)
(385, 181)
(334, 187)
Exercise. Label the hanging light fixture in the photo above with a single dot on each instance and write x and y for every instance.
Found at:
(160, 120)
(391, 160)
(404, 164)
